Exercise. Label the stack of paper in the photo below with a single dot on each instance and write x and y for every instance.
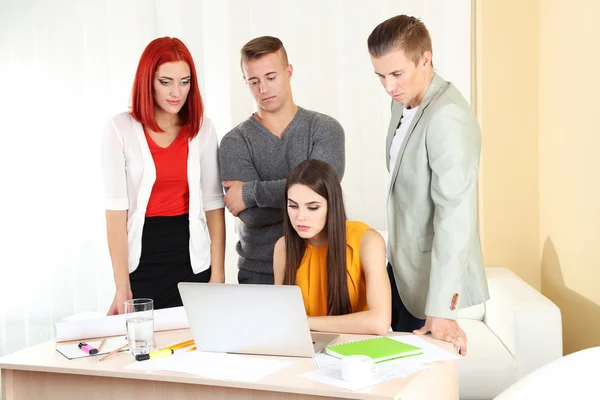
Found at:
(330, 372)
(114, 325)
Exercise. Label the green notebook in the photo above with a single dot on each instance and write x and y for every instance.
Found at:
(380, 348)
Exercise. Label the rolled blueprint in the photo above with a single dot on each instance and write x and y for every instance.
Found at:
(164, 320)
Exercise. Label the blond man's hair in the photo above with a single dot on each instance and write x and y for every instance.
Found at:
(401, 32)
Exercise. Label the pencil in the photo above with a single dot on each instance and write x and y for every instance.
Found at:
(113, 352)
(101, 344)
(181, 345)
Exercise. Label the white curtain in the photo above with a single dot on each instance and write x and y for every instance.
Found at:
(68, 65)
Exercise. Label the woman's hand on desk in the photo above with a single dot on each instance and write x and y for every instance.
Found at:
(118, 304)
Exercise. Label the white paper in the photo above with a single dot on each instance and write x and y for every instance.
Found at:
(220, 366)
(323, 360)
(431, 352)
(385, 371)
(114, 325)
(330, 371)
(84, 315)
(72, 351)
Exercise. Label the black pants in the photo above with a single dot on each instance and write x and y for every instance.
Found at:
(402, 319)
(254, 278)
(165, 261)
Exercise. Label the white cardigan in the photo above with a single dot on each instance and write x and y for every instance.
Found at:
(129, 175)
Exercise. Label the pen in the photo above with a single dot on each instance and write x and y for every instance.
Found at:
(87, 348)
(154, 355)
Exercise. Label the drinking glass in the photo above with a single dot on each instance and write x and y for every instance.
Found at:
(139, 321)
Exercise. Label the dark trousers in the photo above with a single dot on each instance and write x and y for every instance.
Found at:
(402, 319)
(255, 278)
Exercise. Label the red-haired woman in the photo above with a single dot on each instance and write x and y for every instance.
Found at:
(338, 264)
(164, 200)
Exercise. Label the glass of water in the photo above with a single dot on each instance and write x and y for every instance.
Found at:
(139, 320)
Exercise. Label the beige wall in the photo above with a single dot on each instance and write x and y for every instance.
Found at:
(537, 96)
(506, 43)
(569, 143)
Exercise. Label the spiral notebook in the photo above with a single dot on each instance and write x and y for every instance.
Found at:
(379, 348)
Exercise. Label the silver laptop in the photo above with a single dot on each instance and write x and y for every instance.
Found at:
(250, 319)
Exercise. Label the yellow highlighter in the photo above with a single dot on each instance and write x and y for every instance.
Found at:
(154, 355)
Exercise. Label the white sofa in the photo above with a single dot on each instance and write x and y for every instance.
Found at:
(571, 377)
(515, 332)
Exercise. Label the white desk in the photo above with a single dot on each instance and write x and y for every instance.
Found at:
(40, 372)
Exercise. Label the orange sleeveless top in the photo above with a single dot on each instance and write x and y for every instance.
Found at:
(312, 273)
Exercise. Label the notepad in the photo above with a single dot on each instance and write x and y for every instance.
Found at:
(72, 351)
(379, 348)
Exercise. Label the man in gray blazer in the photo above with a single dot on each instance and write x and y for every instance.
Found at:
(433, 149)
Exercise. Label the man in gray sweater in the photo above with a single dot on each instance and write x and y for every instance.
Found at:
(256, 156)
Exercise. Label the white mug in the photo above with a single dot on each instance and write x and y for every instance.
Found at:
(358, 368)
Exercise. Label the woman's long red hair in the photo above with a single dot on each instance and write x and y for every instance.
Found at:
(158, 52)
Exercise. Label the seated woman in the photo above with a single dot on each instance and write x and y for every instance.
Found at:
(339, 265)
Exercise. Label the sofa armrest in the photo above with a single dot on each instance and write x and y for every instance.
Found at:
(574, 376)
(528, 324)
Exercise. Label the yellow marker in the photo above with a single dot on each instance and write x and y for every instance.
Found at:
(155, 354)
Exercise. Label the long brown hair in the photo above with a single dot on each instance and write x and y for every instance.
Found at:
(321, 178)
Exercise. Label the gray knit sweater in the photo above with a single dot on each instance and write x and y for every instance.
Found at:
(252, 154)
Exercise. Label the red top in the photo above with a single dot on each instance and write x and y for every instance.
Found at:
(170, 194)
